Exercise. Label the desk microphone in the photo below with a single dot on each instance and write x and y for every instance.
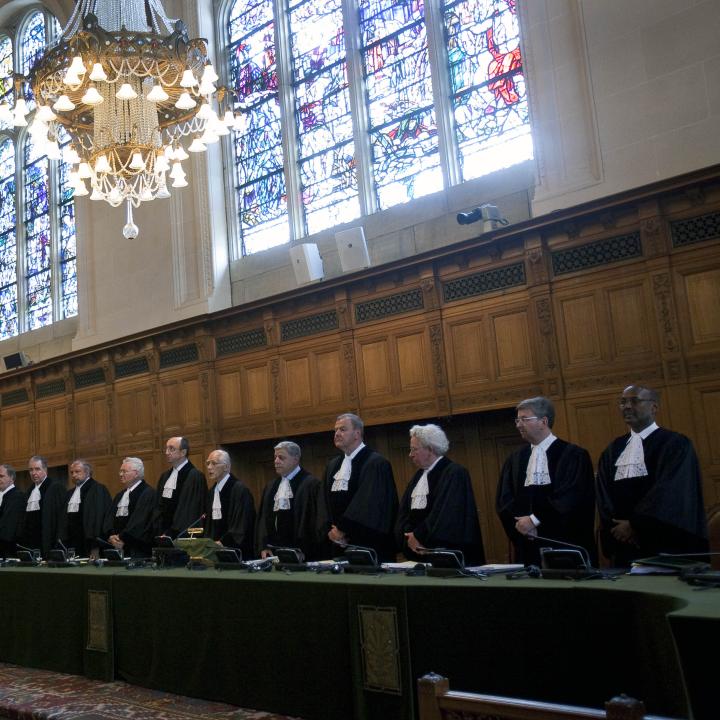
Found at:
(62, 545)
(583, 551)
(192, 524)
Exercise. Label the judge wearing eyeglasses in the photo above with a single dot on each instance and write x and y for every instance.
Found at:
(546, 487)
(649, 487)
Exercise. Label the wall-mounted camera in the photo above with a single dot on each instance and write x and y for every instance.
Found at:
(489, 214)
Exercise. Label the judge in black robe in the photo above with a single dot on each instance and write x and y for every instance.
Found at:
(446, 516)
(12, 507)
(360, 509)
(42, 524)
(180, 507)
(129, 527)
(233, 523)
(561, 506)
(82, 524)
(661, 507)
(289, 521)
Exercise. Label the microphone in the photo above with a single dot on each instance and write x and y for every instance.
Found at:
(62, 545)
(583, 551)
(22, 547)
(192, 524)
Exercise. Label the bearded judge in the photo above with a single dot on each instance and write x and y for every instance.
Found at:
(359, 495)
(129, 523)
(230, 508)
(85, 510)
(181, 490)
(649, 487)
(288, 509)
(546, 488)
(438, 507)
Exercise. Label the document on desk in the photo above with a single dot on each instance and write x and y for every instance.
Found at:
(497, 568)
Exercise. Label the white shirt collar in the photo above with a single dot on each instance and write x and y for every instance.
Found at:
(649, 430)
(292, 474)
(222, 482)
(356, 450)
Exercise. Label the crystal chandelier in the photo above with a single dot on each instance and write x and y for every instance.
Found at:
(130, 88)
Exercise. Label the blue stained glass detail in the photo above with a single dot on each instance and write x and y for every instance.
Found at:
(325, 133)
(488, 86)
(402, 121)
(260, 191)
(6, 69)
(69, 302)
(39, 300)
(8, 311)
(32, 45)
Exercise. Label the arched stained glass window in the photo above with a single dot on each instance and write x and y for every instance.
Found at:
(38, 270)
(355, 106)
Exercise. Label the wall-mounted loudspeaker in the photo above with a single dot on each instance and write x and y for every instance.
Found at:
(307, 263)
(352, 249)
(16, 360)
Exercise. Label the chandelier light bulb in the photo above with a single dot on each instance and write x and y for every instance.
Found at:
(229, 119)
(114, 197)
(163, 193)
(197, 146)
(70, 155)
(44, 113)
(80, 188)
(72, 79)
(219, 127)
(157, 94)
(92, 96)
(52, 150)
(180, 153)
(130, 230)
(126, 92)
(205, 112)
(146, 194)
(64, 104)
(96, 194)
(185, 102)
(84, 171)
(209, 75)
(78, 65)
(38, 128)
(102, 165)
(161, 164)
(209, 136)
(137, 162)
(207, 89)
(188, 79)
(98, 74)
(177, 171)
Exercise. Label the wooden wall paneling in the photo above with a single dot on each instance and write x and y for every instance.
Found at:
(52, 428)
(698, 299)
(514, 351)
(92, 421)
(17, 436)
(471, 365)
(182, 410)
(705, 398)
(593, 422)
(632, 336)
(581, 330)
(134, 417)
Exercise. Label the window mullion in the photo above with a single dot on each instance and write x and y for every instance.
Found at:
(288, 122)
(20, 235)
(439, 73)
(358, 105)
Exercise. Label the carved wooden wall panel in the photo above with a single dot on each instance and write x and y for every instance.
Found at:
(52, 428)
(92, 422)
(581, 331)
(181, 404)
(632, 334)
(702, 289)
(513, 347)
(135, 421)
(17, 440)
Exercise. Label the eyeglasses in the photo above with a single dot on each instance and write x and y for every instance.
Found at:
(519, 420)
(623, 401)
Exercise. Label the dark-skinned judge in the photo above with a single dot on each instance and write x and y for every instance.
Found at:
(649, 488)
(288, 509)
(438, 507)
(359, 496)
(181, 490)
(230, 508)
(42, 519)
(546, 488)
(129, 523)
(86, 506)
(12, 507)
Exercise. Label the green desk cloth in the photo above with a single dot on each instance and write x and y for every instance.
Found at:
(322, 646)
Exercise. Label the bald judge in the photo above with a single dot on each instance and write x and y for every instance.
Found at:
(649, 487)
(180, 490)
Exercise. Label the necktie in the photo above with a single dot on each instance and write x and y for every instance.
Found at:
(124, 504)
(631, 462)
(170, 484)
(283, 496)
(537, 469)
(342, 476)
(419, 494)
(33, 502)
(217, 505)
(75, 500)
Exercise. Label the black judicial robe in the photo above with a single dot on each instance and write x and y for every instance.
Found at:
(296, 527)
(11, 514)
(565, 507)
(89, 522)
(665, 507)
(136, 530)
(236, 528)
(366, 512)
(187, 504)
(41, 528)
(450, 519)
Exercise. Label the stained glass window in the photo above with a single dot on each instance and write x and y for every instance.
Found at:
(38, 273)
(375, 103)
